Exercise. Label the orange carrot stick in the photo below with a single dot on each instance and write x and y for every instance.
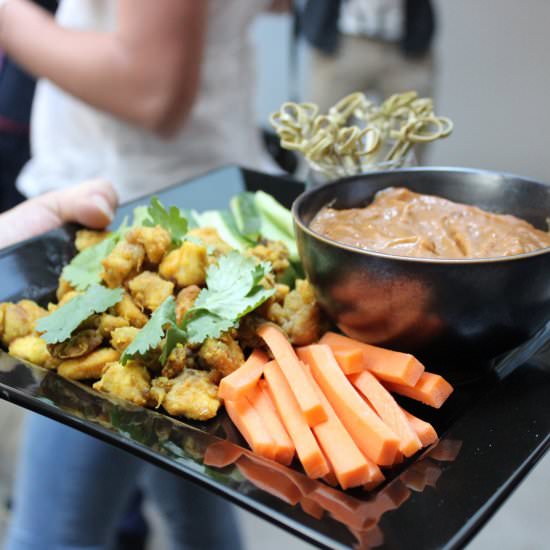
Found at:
(424, 430)
(237, 384)
(351, 468)
(293, 418)
(388, 365)
(388, 410)
(350, 360)
(375, 440)
(261, 401)
(249, 423)
(288, 362)
(268, 480)
(431, 389)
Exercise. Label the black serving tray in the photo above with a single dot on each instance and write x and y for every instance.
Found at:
(494, 429)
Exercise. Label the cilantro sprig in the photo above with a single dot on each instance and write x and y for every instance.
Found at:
(152, 333)
(172, 220)
(232, 290)
(60, 324)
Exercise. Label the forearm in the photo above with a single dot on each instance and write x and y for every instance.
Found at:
(98, 68)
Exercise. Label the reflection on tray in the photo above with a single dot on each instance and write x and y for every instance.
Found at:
(316, 499)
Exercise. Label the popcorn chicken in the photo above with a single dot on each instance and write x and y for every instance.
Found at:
(275, 252)
(130, 382)
(186, 265)
(155, 240)
(192, 394)
(185, 299)
(149, 290)
(63, 288)
(124, 261)
(109, 323)
(223, 355)
(122, 337)
(299, 316)
(33, 349)
(17, 320)
(209, 237)
(128, 310)
(79, 344)
(87, 237)
(89, 367)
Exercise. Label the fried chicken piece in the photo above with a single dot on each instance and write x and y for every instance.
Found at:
(185, 299)
(191, 394)
(275, 252)
(17, 320)
(130, 382)
(79, 344)
(128, 310)
(89, 367)
(155, 240)
(299, 316)
(149, 290)
(109, 323)
(248, 331)
(33, 349)
(123, 262)
(210, 238)
(181, 357)
(87, 237)
(223, 355)
(63, 288)
(122, 337)
(186, 265)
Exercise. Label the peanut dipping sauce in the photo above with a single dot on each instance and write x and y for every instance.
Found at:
(404, 223)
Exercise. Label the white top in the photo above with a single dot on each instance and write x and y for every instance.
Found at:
(72, 141)
(382, 19)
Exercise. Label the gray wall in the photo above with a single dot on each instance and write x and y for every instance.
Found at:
(493, 81)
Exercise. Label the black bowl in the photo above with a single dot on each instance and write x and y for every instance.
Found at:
(444, 311)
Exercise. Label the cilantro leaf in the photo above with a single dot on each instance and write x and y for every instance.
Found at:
(233, 290)
(172, 220)
(59, 325)
(85, 268)
(153, 332)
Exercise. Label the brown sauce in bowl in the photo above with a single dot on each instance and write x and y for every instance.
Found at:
(404, 223)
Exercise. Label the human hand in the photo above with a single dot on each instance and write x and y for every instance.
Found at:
(91, 203)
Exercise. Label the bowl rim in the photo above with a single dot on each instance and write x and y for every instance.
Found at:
(455, 261)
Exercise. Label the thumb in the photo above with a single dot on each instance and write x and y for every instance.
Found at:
(92, 203)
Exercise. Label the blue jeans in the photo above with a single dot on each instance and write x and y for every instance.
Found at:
(71, 491)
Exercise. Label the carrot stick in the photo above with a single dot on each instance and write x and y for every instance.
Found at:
(351, 468)
(350, 360)
(237, 384)
(273, 482)
(293, 418)
(249, 423)
(261, 401)
(288, 362)
(388, 365)
(431, 389)
(388, 410)
(424, 430)
(375, 440)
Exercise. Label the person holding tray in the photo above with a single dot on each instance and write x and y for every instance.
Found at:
(145, 94)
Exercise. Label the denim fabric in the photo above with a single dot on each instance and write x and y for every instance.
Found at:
(71, 491)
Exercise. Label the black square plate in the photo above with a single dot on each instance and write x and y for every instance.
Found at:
(493, 429)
